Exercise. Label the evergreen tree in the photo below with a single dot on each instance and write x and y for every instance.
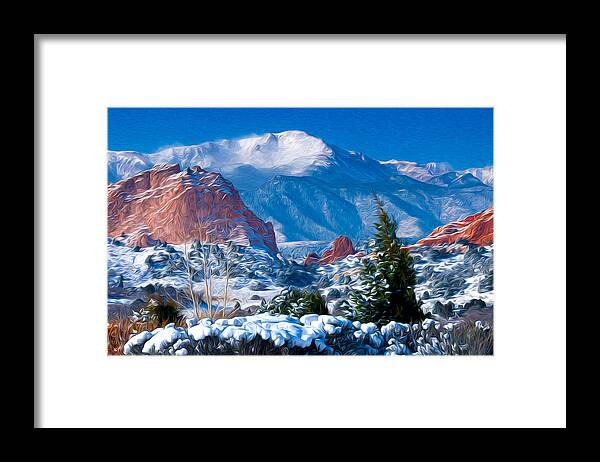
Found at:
(386, 283)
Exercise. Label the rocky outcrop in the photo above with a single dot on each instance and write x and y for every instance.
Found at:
(477, 229)
(170, 205)
(311, 258)
(340, 248)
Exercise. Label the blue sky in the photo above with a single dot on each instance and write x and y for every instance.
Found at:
(461, 136)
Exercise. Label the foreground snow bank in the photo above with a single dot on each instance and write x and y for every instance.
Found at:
(277, 334)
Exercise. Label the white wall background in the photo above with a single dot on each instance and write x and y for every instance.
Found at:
(522, 385)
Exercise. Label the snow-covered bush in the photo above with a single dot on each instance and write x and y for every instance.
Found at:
(312, 334)
(162, 309)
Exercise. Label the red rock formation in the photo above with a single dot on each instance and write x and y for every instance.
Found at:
(176, 206)
(341, 248)
(311, 258)
(476, 229)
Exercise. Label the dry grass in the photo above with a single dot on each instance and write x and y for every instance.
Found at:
(473, 340)
(464, 339)
(120, 330)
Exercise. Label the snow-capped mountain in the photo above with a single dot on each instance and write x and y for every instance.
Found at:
(125, 164)
(484, 174)
(249, 162)
(421, 172)
(455, 180)
(313, 191)
(437, 172)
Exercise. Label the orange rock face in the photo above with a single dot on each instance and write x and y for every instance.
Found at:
(476, 229)
(341, 248)
(175, 206)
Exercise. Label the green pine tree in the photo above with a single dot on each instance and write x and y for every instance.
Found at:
(386, 283)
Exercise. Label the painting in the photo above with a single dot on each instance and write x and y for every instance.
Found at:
(300, 231)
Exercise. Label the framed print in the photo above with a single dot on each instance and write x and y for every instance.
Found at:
(254, 231)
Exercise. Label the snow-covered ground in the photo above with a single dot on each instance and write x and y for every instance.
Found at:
(162, 267)
(257, 275)
(452, 286)
(457, 278)
(297, 250)
(310, 334)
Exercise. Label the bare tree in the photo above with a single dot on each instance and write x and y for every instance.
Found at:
(190, 274)
(230, 257)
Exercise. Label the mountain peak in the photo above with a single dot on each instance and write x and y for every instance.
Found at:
(294, 133)
(297, 139)
(249, 162)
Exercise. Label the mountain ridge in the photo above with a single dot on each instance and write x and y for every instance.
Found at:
(431, 172)
(291, 153)
(314, 191)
